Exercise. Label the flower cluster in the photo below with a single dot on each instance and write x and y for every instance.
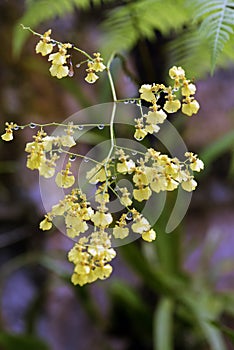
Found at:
(45, 46)
(95, 65)
(88, 220)
(92, 253)
(61, 61)
(150, 172)
(149, 123)
(44, 151)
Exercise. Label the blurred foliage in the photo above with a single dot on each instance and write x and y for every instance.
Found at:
(226, 330)
(195, 29)
(217, 148)
(21, 342)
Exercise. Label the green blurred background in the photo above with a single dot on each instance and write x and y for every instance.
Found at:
(173, 294)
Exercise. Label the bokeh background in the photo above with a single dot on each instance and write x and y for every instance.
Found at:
(175, 293)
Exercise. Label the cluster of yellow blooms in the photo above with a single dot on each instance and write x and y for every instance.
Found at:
(94, 229)
(61, 61)
(148, 123)
(151, 172)
(91, 254)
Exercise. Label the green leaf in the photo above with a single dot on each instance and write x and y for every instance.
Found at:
(188, 48)
(129, 296)
(226, 330)
(217, 22)
(21, 342)
(162, 328)
(214, 150)
(231, 170)
(192, 46)
(126, 25)
(202, 310)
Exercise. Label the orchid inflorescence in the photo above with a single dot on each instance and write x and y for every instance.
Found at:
(149, 172)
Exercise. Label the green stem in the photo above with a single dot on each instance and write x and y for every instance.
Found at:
(75, 126)
(129, 99)
(112, 134)
(79, 156)
(83, 53)
(110, 78)
(119, 198)
(130, 150)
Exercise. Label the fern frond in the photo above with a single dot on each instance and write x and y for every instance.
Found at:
(190, 50)
(39, 11)
(217, 22)
(126, 24)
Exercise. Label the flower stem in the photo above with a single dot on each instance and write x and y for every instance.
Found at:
(57, 42)
(112, 134)
(79, 156)
(74, 126)
(110, 78)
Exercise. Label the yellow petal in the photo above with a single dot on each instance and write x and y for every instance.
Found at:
(35, 160)
(190, 108)
(126, 166)
(120, 232)
(146, 93)
(171, 184)
(188, 90)
(44, 48)
(46, 170)
(102, 197)
(91, 77)
(67, 141)
(140, 179)
(158, 184)
(97, 174)
(45, 225)
(189, 185)
(104, 271)
(141, 226)
(151, 128)
(57, 58)
(197, 165)
(140, 134)
(64, 181)
(126, 201)
(101, 219)
(176, 73)
(172, 106)
(59, 71)
(98, 66)
(142, 194)
(156, 117)
(80, 279)
(8, 136)
(149, 236)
